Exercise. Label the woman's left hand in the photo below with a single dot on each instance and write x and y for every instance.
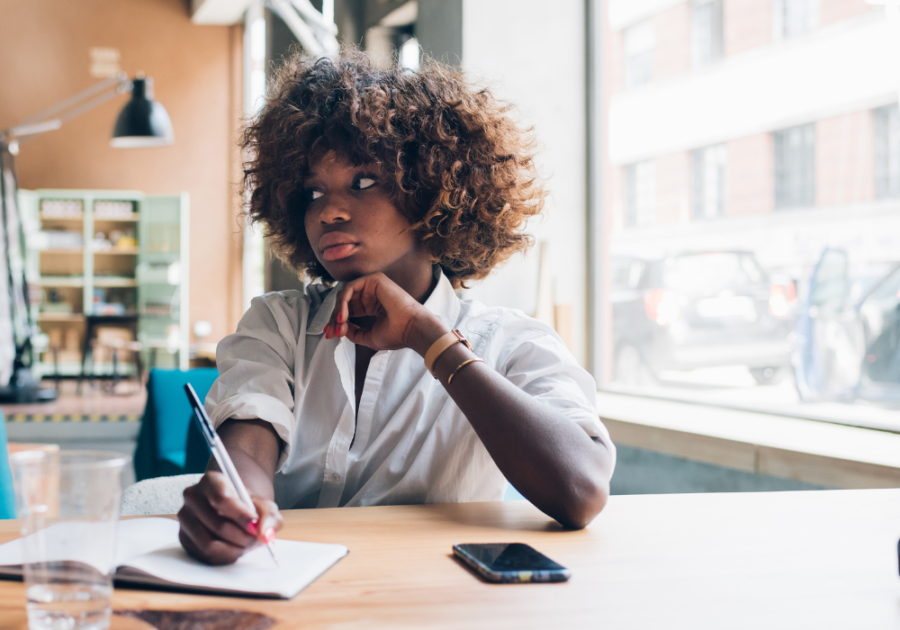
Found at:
(400, 321)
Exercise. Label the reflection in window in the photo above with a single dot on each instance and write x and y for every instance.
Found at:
(708, 182)
(706, 34)
(640, 194)
(640, 41)
(887, 152)
(795, 156)
(795, 17)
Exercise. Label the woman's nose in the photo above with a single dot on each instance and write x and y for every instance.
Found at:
(334, 212)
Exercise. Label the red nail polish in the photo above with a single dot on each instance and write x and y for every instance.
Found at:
(340, 318)
(253, 527)
(269, 535)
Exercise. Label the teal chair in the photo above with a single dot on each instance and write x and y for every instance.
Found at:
(7, 493)
(163, 445)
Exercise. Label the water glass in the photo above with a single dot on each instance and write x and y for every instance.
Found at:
(68, 508)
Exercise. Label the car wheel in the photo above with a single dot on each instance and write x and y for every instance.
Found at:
(767, 375)
(630, 367)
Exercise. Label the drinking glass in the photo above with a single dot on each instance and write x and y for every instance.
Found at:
(68, 507)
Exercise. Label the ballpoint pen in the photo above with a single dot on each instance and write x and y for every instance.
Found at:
(222, 457)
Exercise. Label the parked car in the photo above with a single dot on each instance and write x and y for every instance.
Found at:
(848, 334)
(699, 309)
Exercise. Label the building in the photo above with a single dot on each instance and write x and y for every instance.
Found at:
(766, 125)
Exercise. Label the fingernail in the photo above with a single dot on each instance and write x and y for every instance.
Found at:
(340, 318)
(269, 535)
(253, 527)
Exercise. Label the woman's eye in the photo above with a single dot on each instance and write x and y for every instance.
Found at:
(315, 194)
(365, 182)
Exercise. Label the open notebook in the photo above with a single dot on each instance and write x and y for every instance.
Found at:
(148, 553)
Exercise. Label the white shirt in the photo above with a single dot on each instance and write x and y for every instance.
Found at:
(409, 443)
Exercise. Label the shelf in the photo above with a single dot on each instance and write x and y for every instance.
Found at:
(44, 217)
(117, 251)
(61, 281)
(132, 219)
(63, 250)
(60, 317)
(111, 281)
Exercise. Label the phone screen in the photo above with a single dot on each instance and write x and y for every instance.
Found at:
(512, 562)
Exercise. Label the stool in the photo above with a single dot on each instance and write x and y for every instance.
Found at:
(115, 346)
(92, 322)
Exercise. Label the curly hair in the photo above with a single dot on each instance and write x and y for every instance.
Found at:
(456, 165)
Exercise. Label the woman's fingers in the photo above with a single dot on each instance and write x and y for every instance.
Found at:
(270, 519)
(216, 526)
(202, 544)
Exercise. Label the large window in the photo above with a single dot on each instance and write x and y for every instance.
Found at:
(795, 167)
(795, 17)
(887, 152)
(754, 209)
(640, 40)
(708, 182)
(706, 31)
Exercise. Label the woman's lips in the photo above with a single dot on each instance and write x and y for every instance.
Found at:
(336, 252)
(337, 245)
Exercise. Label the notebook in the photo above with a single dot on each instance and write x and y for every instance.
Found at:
(148, 554)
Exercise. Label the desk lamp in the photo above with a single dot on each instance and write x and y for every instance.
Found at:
(141, 123)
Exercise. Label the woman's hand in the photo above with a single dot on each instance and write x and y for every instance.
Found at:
(400, 321)
(216, 526)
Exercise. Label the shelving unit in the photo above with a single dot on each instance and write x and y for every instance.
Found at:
(139, 267)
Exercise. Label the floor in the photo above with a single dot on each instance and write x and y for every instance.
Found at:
(96, 419)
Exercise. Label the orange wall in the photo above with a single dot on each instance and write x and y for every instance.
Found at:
(197, 75)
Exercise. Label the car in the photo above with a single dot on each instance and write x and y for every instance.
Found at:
(848, 334)
(699, 309)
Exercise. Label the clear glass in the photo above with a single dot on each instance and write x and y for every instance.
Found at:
(68, 507)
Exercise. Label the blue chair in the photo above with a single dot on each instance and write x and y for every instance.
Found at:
(7, 493)
(163, 444)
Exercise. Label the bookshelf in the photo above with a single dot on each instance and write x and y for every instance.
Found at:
(107, 252)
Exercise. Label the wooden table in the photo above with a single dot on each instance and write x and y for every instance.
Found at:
(767, 560)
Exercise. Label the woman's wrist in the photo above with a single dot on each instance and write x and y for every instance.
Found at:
(424, 330)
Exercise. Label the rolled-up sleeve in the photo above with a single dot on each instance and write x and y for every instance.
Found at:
(256, 366)
(532, 356)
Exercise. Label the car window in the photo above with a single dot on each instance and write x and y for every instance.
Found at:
(704, 273)
(626, 273)
(888, 289)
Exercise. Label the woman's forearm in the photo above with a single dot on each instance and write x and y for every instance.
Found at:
(254, 447)
(547, 457)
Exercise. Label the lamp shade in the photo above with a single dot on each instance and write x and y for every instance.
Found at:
(142, 122)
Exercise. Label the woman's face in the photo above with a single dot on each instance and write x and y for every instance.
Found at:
(353, 225)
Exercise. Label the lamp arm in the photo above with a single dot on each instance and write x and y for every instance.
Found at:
(69, 108)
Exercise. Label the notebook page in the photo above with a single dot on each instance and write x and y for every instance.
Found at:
(300, 563)
(138, 536)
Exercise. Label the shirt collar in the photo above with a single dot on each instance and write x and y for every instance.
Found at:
(442, 302)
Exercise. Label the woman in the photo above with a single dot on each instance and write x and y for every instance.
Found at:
(378, 385)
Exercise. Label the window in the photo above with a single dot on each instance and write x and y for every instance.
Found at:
(795, 17)
(706, 31)
(708, 182)
(640, 194)
(795, 157)
(887, 152)
(709, 289)
(640, 41)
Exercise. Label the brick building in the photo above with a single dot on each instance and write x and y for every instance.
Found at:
(769, 125)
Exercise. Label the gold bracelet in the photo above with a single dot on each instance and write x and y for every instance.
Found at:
(461, 366)
(441, 345)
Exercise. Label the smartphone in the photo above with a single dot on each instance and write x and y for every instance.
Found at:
(510, 562)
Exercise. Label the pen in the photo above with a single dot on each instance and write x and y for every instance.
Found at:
(222, 457)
